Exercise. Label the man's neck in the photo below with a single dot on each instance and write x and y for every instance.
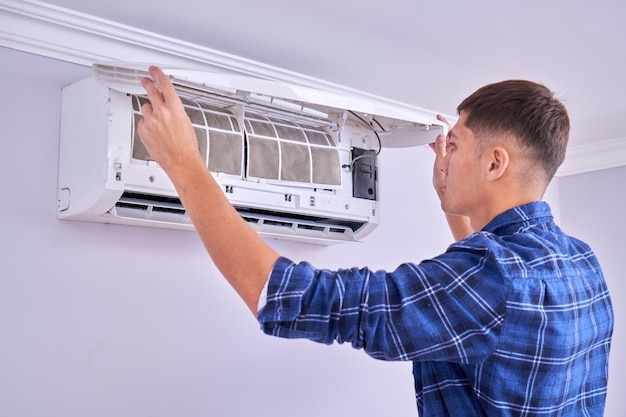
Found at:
(499, 203)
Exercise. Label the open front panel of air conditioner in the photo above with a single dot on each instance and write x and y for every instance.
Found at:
(295, 162)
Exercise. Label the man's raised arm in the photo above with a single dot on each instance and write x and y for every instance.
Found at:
(237, 250)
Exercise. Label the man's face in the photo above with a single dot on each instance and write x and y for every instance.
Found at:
(464, 178)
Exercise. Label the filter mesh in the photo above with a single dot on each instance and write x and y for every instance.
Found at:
(325, 165)
(274, 149)
(263, 158)
(307, 154)
(220, 140)
(225, 151)
(295, 162)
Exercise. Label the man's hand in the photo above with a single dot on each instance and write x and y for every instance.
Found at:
(459, 225)
(166, 130)
(439, 146)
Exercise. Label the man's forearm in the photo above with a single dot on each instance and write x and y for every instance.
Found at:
(240, 254)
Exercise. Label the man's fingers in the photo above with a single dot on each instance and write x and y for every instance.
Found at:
(443, 119)
(154, 95)
(146, 109)
(439, 146)
(165, 84)
(159, 89)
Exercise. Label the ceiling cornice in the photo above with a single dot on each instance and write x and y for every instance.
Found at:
(63, 34)
(594, 156)
(47, 30)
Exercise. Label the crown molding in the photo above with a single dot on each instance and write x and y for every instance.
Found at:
(48, 30)
(55, 32)
(594, 156)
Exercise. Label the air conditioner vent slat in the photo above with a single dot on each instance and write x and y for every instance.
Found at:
(158, 207)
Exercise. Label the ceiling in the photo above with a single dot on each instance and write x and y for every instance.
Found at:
(429, 54)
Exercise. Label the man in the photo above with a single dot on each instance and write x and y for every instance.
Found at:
(512, 320)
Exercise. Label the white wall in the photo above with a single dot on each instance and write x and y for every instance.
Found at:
(104, 320)
(592, 210)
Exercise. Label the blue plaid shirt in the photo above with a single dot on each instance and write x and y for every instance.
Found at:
(514, 320)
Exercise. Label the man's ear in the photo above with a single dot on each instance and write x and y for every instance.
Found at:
(498, 163)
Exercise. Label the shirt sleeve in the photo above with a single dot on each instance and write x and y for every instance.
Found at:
(262, 297)
(448, 308)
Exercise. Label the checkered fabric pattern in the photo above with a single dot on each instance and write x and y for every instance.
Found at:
(514, 320)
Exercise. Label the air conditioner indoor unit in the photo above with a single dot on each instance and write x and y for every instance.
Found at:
(296, 162)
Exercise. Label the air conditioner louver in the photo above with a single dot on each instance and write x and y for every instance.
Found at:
(155, 208)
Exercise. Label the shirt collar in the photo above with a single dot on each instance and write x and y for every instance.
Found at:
(524, 215)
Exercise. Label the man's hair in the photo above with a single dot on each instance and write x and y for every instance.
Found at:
(526, 110)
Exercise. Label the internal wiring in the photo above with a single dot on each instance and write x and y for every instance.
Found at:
(371, 127)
